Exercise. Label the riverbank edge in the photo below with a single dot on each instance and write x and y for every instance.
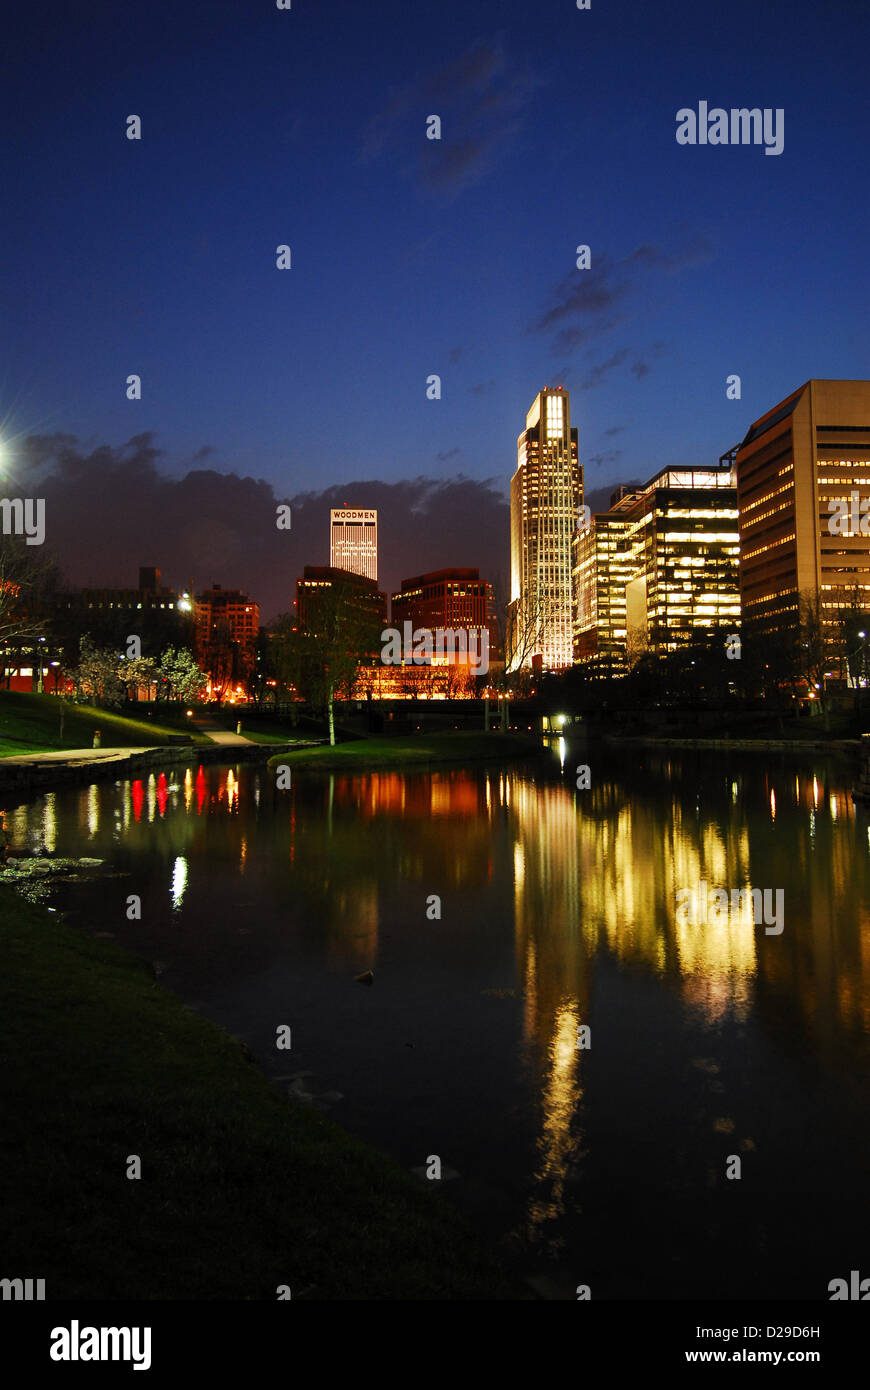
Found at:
(737, 745)
(26, 780)
(410, 754)
(236, 1197)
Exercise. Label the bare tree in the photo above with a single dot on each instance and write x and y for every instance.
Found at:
(28, 578)
(813, 646)
(328, 645)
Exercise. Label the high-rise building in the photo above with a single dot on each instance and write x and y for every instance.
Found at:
(602, 568)
(353, 540)
(803, 473)
(227, 626)
(448, 599)
(357, 591)
(546, 495)
(659, 570)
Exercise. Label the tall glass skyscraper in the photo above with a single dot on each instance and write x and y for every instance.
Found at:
(546, 496)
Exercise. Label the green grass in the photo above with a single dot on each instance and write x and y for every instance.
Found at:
(412, 749)
(241, 1190)
(30, 724)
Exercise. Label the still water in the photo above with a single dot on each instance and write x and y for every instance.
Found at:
(708, 1043)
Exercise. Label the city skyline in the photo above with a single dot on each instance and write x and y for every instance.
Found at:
(446, 870)
(674, 302)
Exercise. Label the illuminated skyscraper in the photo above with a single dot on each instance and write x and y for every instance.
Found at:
(659, 570)
(546, 495)
(353, 540)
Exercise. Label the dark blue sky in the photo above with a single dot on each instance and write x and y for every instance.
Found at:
(413, 257)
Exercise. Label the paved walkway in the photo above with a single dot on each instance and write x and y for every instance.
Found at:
(76, 757)
(218, 735)
(79, 757)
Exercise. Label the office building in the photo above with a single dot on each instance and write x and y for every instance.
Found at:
(353, 540)
(546, 495)
(659, 570)
(448, 599)
(227, 626)
(803, 476)
(360, 592)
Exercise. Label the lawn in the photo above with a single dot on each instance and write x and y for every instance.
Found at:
(31, 724)
(241, 1190)
(454, 746)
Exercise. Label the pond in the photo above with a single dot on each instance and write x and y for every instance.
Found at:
(649, 1101)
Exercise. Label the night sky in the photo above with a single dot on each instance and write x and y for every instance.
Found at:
(409, 257)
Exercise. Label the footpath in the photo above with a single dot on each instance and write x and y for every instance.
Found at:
(24, 775)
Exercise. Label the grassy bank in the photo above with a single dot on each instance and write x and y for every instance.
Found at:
(414, 750)
(31, 724)
(241, 1191)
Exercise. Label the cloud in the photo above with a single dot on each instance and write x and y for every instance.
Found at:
(614, 429)
(606, 456)
(589, 303)
(446, 454)
(110, 509)
(483, 388)
(695, 252)
(480, 97)
(596, 375)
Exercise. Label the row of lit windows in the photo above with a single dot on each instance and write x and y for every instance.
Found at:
(763, 549)
(767, 497)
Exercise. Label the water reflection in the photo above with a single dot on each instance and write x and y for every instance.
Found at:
(179, 881)
(565, 898)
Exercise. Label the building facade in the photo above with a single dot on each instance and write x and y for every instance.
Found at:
(803, 477)
(151, 595)
(448, 599)
(602, 568)
(660, 569)
(363, 593)
(227, 626)
(353, 540)
(546, 496)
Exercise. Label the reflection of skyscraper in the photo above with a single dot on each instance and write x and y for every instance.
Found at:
(353, 540)
(546, 494)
